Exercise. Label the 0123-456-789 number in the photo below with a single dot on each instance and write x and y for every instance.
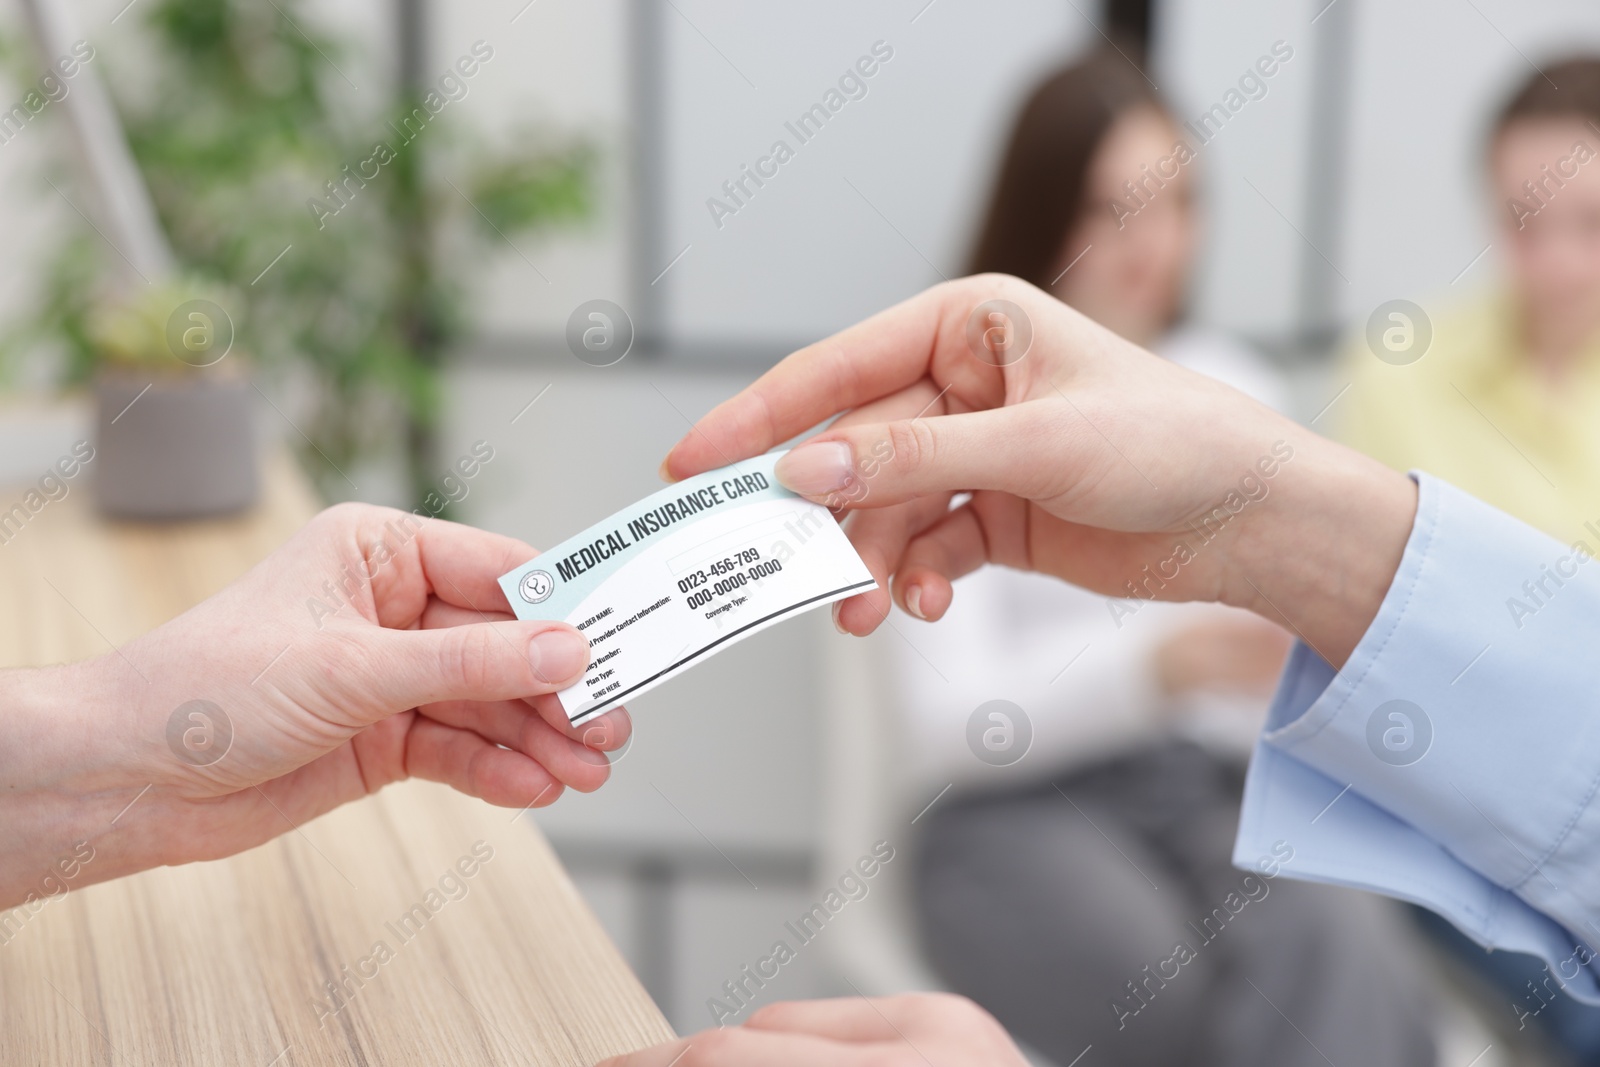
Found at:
(724, 576)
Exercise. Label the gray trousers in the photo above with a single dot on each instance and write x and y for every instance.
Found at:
(1061, 907)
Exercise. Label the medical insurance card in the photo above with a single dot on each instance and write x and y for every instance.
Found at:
(683, 574)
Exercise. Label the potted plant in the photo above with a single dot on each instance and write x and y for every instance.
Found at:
(174, 432)
(349, 290)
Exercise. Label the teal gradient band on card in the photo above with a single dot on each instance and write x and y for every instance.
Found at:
(581, 563)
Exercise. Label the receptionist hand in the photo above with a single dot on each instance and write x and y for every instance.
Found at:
(1086, 457)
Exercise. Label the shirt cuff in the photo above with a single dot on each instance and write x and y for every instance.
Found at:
(1453, 762)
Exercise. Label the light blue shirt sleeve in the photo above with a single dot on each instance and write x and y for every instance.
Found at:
(1454, 760)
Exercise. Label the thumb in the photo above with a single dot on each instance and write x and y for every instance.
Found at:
(474, 661)
(875, 465)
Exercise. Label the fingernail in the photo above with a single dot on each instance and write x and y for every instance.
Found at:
(836, 625)
(914, 601)
(666, 475)
(558, 655)
(817, 469)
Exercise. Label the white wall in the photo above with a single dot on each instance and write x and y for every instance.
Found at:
(561, 65)
(809, 254)
(1248, 270)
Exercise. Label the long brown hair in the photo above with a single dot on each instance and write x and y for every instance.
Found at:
(1039, 193)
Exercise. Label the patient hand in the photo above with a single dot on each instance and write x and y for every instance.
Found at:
(370, 648)
(1087, 458)
(905, 1031)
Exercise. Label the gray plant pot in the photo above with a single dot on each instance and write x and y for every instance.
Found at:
(184, 449)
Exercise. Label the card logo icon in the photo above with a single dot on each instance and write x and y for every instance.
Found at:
(536, 586)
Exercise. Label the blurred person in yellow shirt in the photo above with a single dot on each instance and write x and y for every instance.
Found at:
(1501, 396)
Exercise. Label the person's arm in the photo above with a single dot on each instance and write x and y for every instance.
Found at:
(1092, 460)
(1087, 458)
(1454, 761)
(372, 647)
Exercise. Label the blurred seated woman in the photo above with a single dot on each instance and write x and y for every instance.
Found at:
(1078, 881)
(1501, 396)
